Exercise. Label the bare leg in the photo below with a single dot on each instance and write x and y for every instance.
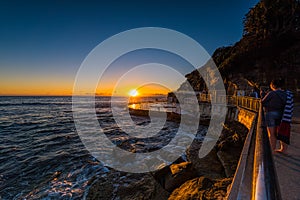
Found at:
(272, 137)
(283, 147)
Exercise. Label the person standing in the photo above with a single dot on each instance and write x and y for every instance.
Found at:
(284, 130)
(254, 93)
(274, 103)
(262, 93)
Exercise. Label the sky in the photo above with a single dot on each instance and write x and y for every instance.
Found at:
(44, 43)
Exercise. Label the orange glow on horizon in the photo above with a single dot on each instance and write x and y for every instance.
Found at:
(35, 87)
(66, 89)
(127, 90)
(68, 92)
(63, 86)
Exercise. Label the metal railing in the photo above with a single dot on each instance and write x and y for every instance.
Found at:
(265, 183)
(249, 103)
(255, 177)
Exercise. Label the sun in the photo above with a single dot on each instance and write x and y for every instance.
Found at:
(133, 93)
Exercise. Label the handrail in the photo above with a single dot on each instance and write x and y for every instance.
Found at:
(265, 183)
(255, 177)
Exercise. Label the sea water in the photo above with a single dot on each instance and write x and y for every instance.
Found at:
(41, 154)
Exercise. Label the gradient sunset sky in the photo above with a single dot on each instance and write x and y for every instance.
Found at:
(43, 43)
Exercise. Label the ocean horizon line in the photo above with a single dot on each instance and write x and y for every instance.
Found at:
(18, 95)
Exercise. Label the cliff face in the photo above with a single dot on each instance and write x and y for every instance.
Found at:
(269, 48)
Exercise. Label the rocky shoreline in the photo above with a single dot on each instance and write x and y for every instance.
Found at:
(191, 178)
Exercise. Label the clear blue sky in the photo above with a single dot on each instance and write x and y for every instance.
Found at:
(44, 42)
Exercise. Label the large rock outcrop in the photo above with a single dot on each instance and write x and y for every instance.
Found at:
(202, 188)
(195, 177)
(126, 186)
(207, 177)
(223, 158)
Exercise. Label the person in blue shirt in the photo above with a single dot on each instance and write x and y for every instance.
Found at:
(253, 93)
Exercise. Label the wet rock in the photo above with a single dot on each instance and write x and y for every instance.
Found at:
(230, 146)
(179, 168)
(177, 175)
(192, 189)
(229, 161)
(141, 187)
(126, 186)
(233, 135)
(219, 189)
(209, 165)
(202, 188)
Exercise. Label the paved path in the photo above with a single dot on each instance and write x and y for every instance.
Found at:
(288, 165)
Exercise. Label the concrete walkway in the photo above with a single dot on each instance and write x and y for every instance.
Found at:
(288, 165)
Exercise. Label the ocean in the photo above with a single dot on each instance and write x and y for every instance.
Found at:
(41, 154)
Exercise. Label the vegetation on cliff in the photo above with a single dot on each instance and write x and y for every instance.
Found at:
(270, 47)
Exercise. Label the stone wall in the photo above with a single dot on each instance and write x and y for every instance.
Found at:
(246, 117)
